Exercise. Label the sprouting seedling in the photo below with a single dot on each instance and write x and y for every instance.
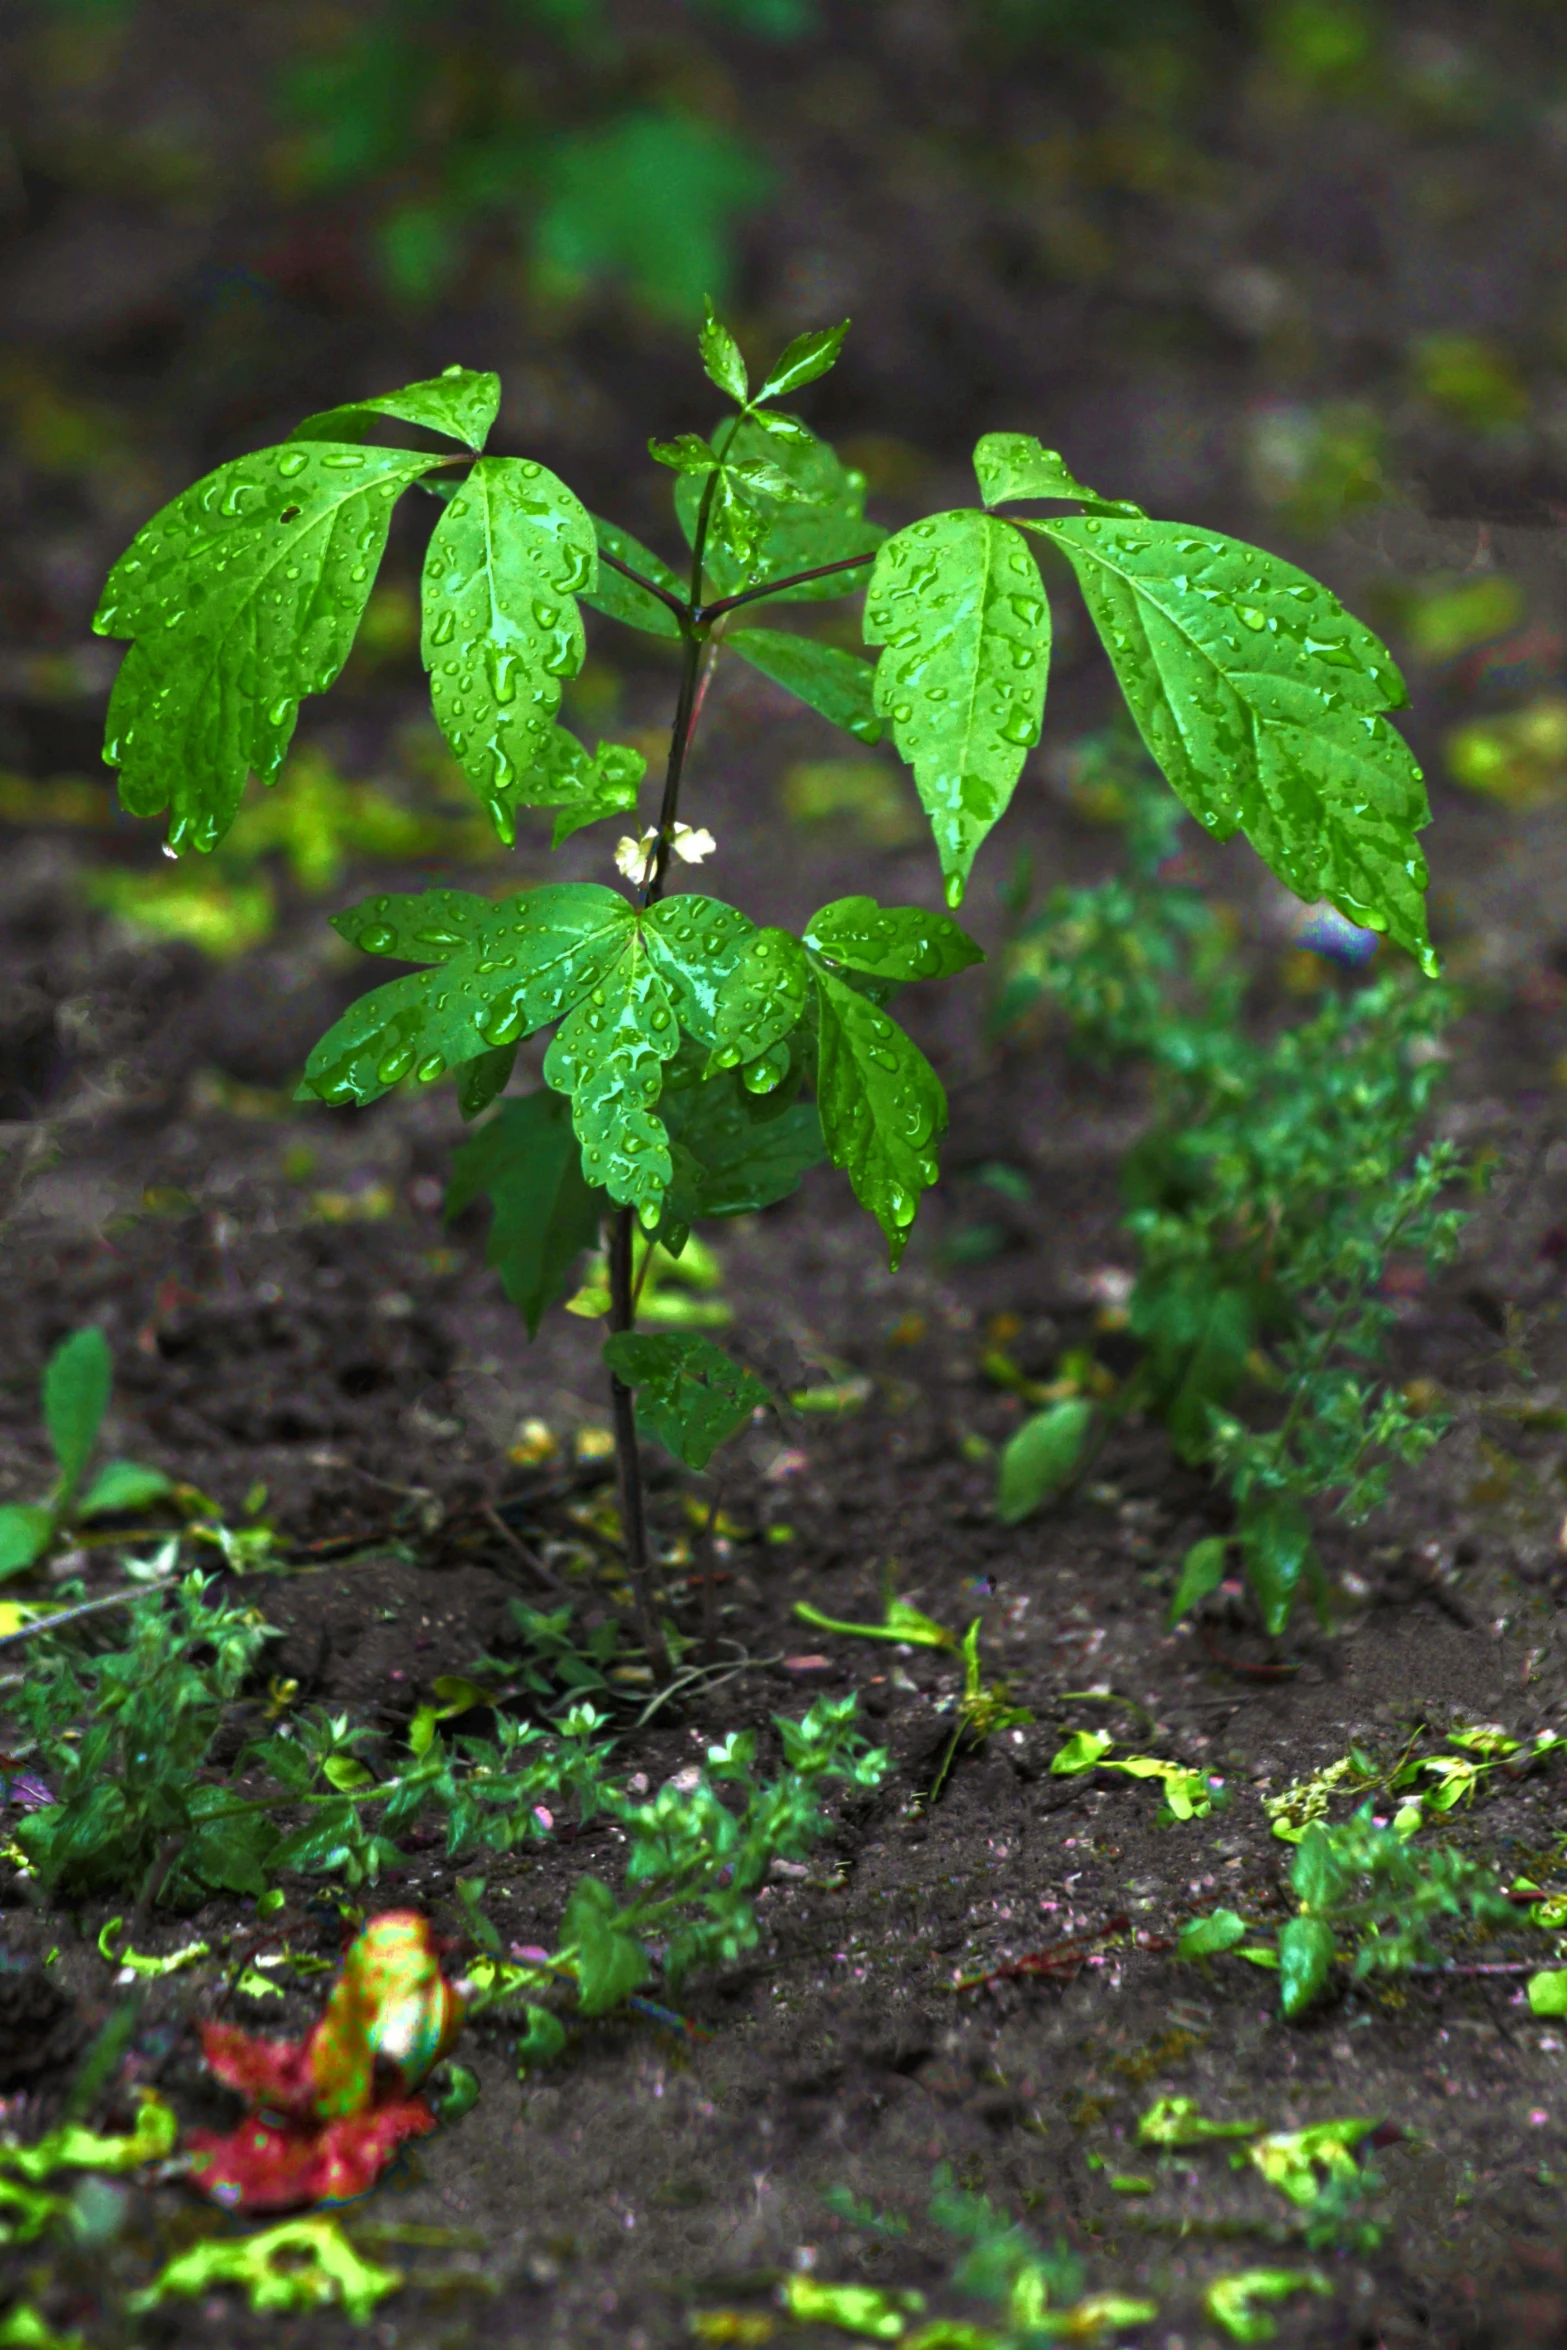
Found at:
(77, 1382)
(701, 1062)
(983, 1706)
(1188, 1794)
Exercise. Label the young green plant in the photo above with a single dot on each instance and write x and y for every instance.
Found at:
(685, 1032)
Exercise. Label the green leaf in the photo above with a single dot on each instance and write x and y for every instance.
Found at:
(541, 2040)
(721, 358)
(803, 360)
(482, 1081)
(76, 1386)
(610, 1965)
(1013, 465)
(835, 683)
(687, 453)
(1232, 2301)
(695, 944)
(1041, 1457)
(823, 524)
(608, 1055)
(959, 605)
(761, 999)
(462, 403)
(735, 1154)
(1261, 699)
(1083, 1751)
(621, 598)
(1306, 1954)
(525, 961)
(1206, 1937)
(527, 1164)
(1276, 1544)
(689, 1393)
(581, 788)
(428, 928)
(1202, 1571)
(891, 942)
(1548, 1991)
(505, 565)
(903, 1623)
(242, 596)
(881, 1105)
(26, 1530)
(122, 1487)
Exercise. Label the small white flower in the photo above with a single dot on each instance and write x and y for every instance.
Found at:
(692, 844)
(634, 858)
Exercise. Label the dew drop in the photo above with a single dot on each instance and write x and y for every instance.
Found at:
(397, 1064)
(445, 628)
(378, 939)
(431, 1068)
(292, 461)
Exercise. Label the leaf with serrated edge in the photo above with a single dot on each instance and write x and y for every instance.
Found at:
(959, 605)
(835, 683)
(242, 596)
(829, 525)
(762, 998)
(721, 358)
(463, 404)
(505, 565)
(526, 962)
(620, 598)
(688, 1391)
(695, 943)
(608, 1055)
(882, 1107)
(803, 360)
(1014, 465)
(526, 1162)
(891, 942)
(1261, 699)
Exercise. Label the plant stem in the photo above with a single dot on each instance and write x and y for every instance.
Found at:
(628, 1461)
(777, 587)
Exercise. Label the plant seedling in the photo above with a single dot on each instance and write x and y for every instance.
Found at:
(686, 1035)
(77, 1383)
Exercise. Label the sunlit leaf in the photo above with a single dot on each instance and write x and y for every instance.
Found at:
(1012, 465)
(721, 357)
(803, 360)
(1306, 1952)
(462, 403)
(891, 942)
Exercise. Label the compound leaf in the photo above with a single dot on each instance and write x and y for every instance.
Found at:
(1041, 1457)
(621, 598)
(959, 605)
(881, 1105)
(525, 963)
(721, 358)
(1261, 699)
(689, 1393)
(761, 998)
(835, 683)
(242, 596)
(803, 360)
(695, 943)
(1014, 465)
(608, 1054)
(526, 1162)
(462, 403)
(891, 942)
(822, 522)
(77, 1381)
(505, 565)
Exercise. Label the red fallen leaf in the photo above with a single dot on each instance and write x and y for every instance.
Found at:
(330, 2111)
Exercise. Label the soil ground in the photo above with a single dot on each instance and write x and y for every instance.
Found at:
(288, 1310)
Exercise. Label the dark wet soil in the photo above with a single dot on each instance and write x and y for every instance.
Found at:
(288, 1310)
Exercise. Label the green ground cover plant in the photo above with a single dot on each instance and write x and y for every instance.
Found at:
(686, 1037)
(78, 1381)
(1282, 1175)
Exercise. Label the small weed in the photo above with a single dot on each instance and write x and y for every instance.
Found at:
(77, 1384)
